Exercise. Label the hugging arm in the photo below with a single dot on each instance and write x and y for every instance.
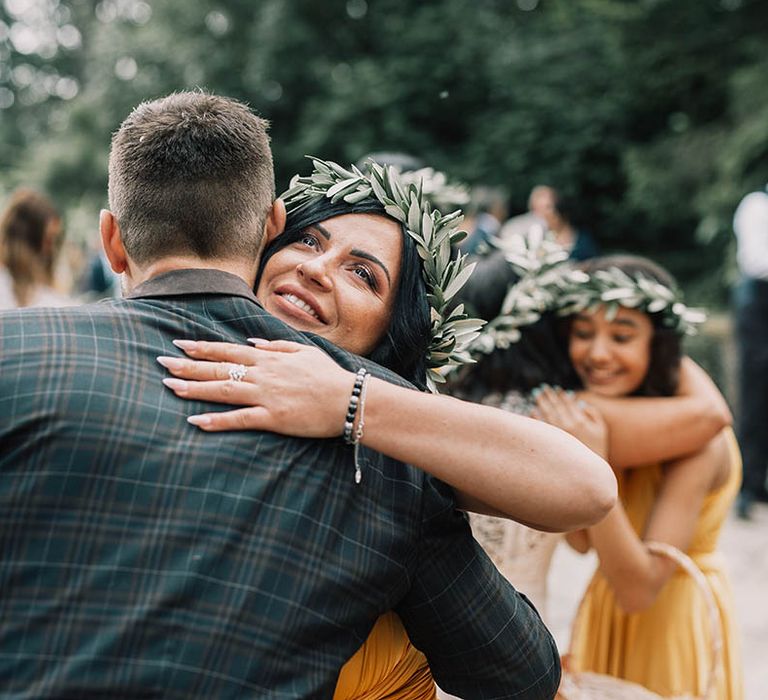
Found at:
(482, 639)
(635, 574)
(649, 430)
(500, 463)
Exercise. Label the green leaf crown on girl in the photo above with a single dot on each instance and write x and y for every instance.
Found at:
(432, 232)
(549, 283)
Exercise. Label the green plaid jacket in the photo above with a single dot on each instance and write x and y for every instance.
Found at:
(143, 558)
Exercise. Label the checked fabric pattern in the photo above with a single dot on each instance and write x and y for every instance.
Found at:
(143, 558)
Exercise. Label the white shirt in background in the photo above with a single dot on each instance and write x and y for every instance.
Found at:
(42, 296)
(750, 224)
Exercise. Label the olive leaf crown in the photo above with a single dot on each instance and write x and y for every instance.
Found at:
(544, 276)
(432, 232)
(549, 283)
(614, 287)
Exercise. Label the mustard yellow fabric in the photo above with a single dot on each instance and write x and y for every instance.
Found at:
(666, 648)
(386, 666)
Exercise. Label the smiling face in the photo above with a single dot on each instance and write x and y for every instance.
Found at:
(611, 357)
(338, 280)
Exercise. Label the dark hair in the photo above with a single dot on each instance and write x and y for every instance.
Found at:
(191, 173)
(404, 346)
(24, 250)
(666, 350)
(539, 355)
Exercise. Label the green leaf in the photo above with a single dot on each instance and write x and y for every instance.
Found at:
(342, 186)
(459, 282)
(359, 196)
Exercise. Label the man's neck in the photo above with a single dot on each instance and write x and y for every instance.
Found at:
(135, 275)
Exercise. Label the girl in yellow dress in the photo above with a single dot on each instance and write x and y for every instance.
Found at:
(642, 619)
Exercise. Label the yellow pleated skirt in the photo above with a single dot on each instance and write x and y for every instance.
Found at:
(668, 647)
(387, 666)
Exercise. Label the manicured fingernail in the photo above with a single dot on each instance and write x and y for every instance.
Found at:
(536, 392)
(170, 362)
(175, 384)
(258, 341)
(571, 393)
(201, 421)
(185, 344)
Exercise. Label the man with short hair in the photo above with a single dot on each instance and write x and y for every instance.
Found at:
(143, 558)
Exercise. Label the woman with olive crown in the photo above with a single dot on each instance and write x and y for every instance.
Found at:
(366, 263)
(522, 352)
(642, 619)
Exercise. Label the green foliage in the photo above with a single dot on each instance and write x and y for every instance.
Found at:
(651, 117)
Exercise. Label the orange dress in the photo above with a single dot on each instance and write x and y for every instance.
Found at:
(387, 666)
(666, 648)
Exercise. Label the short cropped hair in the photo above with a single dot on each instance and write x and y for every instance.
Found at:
(191, 174)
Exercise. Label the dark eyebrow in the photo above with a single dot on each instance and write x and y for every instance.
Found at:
(356, 251)
(321, 229)
(625, 322)
(621, 321)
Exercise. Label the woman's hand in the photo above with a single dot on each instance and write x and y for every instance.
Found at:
(575, 416)
(286, 387)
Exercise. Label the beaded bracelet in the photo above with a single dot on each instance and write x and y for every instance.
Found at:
(359, 432)
(361, 411)
(354, 400)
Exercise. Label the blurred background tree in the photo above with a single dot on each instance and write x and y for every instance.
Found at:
(651, 116)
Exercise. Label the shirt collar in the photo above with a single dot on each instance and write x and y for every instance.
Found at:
(193, 281)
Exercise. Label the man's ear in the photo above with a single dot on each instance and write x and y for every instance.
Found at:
(275, 223)
(112, 240)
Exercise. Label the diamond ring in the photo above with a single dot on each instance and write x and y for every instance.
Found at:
(237, 373)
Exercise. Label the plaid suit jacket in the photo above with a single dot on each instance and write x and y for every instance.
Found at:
(143, 558)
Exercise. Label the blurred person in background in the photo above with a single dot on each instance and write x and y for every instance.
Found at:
(98, 280)
(30, 237)
(560, 220)
(541, 202)
(486, 211)
(750, 224)
(549, 209)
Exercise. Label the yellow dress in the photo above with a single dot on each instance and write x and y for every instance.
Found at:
(387, 666)
(666, 648)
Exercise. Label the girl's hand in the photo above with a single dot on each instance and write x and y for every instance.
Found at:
(575, 416)
(286, 387)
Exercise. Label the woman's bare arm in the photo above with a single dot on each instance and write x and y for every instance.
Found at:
(497, 461)
(490, 456)
(635, 574)
(650, 430)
